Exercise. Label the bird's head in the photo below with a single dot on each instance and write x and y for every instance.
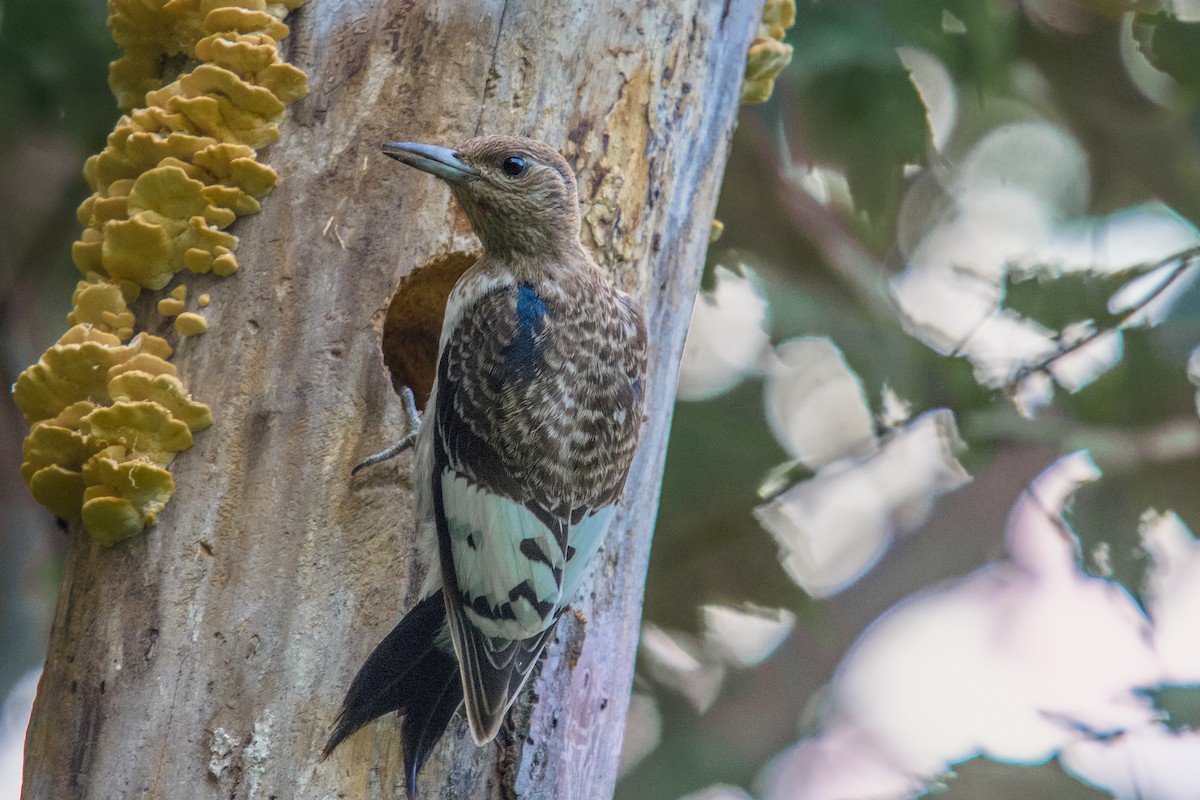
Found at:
(519, 194)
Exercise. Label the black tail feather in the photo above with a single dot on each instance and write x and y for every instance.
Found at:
(408, 672)
(427, 717)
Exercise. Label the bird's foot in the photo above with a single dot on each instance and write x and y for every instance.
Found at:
(414, 424)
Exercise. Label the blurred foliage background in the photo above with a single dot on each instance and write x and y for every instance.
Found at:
(823, 259)
(846, 104)
(55, 110)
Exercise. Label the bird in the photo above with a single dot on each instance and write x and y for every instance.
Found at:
(522, 452)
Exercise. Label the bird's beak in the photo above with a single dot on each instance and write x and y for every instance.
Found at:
(440, 161)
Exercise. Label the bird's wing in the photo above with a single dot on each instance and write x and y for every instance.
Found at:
(513, 543)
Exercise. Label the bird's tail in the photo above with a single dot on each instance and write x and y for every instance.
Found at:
(413, 671)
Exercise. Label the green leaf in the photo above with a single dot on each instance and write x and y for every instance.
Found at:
(1171, 45)
(868, 120)
(858, 109)
(1056, 301)
(974, 40)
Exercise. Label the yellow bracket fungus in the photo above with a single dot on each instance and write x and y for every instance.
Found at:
(181, 166)
(169, 307)
(715, 230)
(190, 324)
(105, 418)
(768, 54)
(101, 304)
(164, 390)
(202, 86)
(123, 496)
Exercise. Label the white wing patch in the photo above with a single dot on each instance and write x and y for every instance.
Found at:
(583, 540)
(486, 536)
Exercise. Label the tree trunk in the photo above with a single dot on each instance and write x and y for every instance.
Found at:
(207, 657)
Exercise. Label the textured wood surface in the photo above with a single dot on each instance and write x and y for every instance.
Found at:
(207, 657)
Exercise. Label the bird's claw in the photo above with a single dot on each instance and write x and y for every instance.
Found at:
(414, 424)
(391, 452)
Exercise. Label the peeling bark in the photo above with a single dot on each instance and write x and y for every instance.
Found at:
(207, 657)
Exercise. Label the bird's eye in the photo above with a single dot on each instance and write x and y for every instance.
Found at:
(513, 166)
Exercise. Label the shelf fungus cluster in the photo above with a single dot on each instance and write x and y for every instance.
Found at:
(106, 418)
(187, 323)
(181, 165)
(768, 54)
(203, 87)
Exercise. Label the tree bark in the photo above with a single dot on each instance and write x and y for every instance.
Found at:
(207, 656)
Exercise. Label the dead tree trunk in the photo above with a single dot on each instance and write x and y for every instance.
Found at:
(207, 657)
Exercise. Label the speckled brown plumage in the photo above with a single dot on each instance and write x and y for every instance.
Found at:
(555, 427)
(526, 442)
(537, 403)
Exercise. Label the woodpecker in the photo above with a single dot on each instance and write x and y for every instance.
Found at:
(522, 452)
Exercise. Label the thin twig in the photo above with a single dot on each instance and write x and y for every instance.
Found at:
(1185, 259)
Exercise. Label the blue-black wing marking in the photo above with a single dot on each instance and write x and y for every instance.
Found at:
(524, 353)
